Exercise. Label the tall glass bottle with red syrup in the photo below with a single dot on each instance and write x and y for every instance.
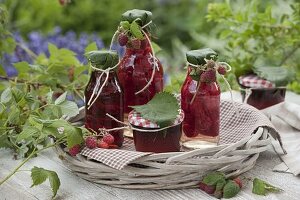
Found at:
(200, 99)
(140, 72)
(103, 94)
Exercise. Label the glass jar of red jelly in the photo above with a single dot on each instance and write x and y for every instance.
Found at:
(137, 65)
(200, 100)
(148, 136)
(103, 95)
(260, 93)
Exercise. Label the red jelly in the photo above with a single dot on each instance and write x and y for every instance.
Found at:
(136, 67)
(200, 103)
(149, 137)
(110, 99)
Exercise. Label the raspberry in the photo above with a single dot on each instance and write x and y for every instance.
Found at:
(91, 142)
(209, 189)
(210, 64)
(238, 181)
(103, 145)
(202, 186)
(136, 43)
(123, 39)
(108, 138)
(208, 76)
(222, 70)
(74, 150)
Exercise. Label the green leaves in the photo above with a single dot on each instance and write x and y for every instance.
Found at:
(125, 25)
(6, 95)
(73, 134)
(68, 108)
(261, 187)
(40, 175)
(91, 47)
(136, 30)
(230, 190)
(213, 178)
(162, 109)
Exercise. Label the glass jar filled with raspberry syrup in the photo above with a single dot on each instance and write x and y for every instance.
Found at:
(103, 94)
(140, 72)
(200, 100)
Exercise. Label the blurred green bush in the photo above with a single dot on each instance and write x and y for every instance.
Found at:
(180, 25)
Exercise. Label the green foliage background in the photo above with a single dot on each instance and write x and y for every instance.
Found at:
(245, 33)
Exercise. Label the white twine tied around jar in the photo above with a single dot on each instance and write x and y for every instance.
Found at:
(153, 60)
(103, 131)
(98, 89)
(228, 69)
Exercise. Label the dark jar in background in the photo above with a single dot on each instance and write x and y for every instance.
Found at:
(200, 101)
(110, 98)
(260, 93)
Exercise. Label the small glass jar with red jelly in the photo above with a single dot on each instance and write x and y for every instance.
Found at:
(140, 72)
(150, 137)
(200, 99)
(103, 95)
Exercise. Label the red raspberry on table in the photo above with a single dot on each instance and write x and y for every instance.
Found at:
(122, 39)
(202, 186)
(222, 70)
(91, 142)
(74, 150)
(208, 76)
(136, 43)
(238, 181)
(210, 189)
(108, 138)
(103, 145)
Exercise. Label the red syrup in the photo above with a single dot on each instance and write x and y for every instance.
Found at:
(109, 101)
(134, 72)
(202, 116)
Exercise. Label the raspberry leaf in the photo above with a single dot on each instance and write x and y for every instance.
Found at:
(40, 175)
(136, 31)
(213, 178)
(261, 187)
(162, 109)
(231, 189)
(125, 25)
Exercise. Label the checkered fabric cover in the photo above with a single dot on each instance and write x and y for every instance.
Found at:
(253, 81)
(233, 128)
(136, 119)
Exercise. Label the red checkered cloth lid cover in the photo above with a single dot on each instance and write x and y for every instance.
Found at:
(136, 119)
(254, 81)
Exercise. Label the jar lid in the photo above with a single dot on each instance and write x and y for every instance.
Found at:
(102, 59)
(131, 15)
(197, 57)
(254, 81)
(136, 119)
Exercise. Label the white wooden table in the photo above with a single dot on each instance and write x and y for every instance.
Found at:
(73, 188)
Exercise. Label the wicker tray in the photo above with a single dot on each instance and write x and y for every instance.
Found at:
(174, 170)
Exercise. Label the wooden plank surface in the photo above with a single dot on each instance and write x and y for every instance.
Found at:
(73, 188)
